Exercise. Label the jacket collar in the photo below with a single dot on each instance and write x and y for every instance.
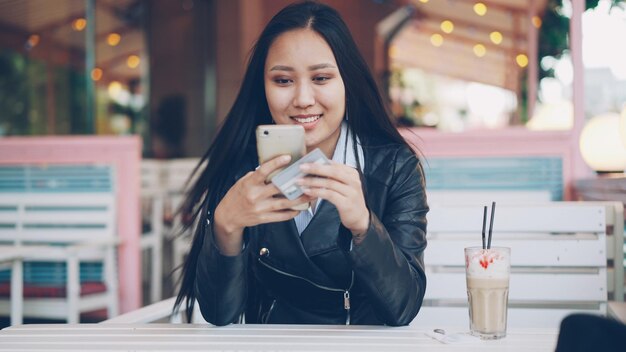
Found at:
(321, 234)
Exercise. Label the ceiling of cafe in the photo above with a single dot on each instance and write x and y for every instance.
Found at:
(51, 25)
(54, 22)
(454, 55)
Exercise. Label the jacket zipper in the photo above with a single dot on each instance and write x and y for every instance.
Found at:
(346, 299)
(346, 292)
(346, 305)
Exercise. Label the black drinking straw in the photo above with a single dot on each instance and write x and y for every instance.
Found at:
(484, 223)
(493, 210)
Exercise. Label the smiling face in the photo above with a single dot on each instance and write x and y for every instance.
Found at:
(303, 87)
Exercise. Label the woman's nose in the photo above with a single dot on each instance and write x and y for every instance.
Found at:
(304, 97)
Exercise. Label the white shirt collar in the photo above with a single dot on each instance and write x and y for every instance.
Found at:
(345, 146)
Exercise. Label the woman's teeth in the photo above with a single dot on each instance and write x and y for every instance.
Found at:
(307, 119)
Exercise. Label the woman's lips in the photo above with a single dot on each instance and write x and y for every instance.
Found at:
(307, 121)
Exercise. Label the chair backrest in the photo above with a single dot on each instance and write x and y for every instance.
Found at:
(558, 260)
(56, 218)
(60, 203)
(177, 174)
(152, 196)
(520, 176)
(151, 176)
(487, 196)
(63, 179)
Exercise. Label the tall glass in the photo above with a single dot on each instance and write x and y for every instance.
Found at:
(487, 273)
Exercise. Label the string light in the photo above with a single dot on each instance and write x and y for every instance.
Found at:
(522, 60)
(133, 61)
(480, 8)
(96, 74)
(480, 50)
(447, 26)
(536, 21)
(436, 39)
(79, 24)
(113, 39)
(496, 37)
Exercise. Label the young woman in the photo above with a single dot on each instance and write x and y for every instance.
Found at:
(356, 256)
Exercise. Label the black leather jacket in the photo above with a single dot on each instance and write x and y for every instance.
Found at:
(316, 278)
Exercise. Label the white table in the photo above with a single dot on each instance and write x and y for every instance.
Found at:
(12, 256)
(189, 337)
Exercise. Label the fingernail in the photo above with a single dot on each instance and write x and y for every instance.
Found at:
(285, 158)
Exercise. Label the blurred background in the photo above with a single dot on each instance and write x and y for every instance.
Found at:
(505, 98)
(168, 70)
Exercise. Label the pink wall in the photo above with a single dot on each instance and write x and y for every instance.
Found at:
(513, 141)
(124, 154)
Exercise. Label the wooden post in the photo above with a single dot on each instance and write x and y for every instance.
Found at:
(533, 64)
(579, 168)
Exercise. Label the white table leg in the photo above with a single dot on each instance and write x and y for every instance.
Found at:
(17, 297)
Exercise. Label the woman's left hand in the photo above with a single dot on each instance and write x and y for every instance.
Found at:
(341, 185)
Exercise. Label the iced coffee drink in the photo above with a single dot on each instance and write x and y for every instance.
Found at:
(487, 273)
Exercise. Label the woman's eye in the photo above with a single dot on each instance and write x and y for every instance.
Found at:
(321, 79)
(282, 81)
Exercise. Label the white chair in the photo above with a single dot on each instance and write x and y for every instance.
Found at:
(163, 189)
(177, 173)
(559, 257)
(181, 241)
(70, 229)
(152, 203)
(468, 196)
(177, 180)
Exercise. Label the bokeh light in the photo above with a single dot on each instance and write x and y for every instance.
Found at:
(480, 9)
(79, 24)
(133, 61)
(480, 50)
(113, 39)
(536, 21)
(436, 39)
(96, 74)
(447, 26)
(522, 60)
(495, 37)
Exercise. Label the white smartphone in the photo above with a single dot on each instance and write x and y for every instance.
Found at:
(275, 140)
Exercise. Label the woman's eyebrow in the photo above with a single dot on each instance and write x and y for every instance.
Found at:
(281, 68)
(311, 68)
(320, 66)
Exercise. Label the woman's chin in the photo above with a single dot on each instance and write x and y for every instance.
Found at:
(311, 144)
(309, 126)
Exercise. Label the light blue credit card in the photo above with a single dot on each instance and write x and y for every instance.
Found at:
(285, 180)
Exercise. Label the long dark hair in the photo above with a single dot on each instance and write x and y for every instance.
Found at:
(235, 143)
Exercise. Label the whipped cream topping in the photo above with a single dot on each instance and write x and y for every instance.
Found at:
(488, 263)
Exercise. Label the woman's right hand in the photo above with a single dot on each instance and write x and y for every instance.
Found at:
(250, 201)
